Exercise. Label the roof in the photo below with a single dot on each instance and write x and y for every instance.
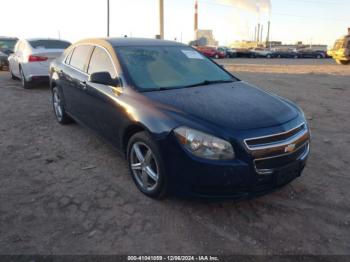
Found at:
(39, 39)
(8, 38)
(129, 41)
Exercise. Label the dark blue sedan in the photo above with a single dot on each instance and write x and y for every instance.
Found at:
(186, 125)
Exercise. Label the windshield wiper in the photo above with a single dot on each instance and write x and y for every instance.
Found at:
(210, 82)
(203, 83)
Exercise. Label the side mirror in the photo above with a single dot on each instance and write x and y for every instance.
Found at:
(103, 78)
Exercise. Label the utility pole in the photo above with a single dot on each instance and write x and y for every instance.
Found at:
(161, 19)
(196, 20)
(268, 34)
(108, 13)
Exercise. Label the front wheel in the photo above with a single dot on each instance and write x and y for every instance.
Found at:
(146, 165)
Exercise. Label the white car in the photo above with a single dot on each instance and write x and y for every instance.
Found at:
(31, 59)
(261, 52)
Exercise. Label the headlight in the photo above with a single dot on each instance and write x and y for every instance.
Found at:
(203, 145)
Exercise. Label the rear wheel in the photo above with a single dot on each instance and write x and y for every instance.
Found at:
(13, 77)
(343, 62)
(58, 107)
(25, 83)
(146, 165)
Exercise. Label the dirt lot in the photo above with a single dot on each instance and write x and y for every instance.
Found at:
(64, 191)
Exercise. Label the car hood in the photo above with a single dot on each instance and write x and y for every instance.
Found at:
(236, 106)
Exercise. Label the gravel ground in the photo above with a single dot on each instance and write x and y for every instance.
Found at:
(64, 191)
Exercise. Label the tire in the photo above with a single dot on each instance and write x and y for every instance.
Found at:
(269, 56)
(147, 170)
(58, 108)
(343, 62)
(13, 77)
(25, 83)
(296, 57)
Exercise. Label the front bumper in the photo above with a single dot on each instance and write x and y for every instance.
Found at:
(236, 179)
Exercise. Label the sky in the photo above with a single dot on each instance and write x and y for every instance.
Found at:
(310, 21)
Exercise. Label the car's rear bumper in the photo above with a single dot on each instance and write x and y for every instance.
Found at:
(36, 71)
(39, 78)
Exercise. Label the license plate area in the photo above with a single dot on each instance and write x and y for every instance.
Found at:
(287, 174)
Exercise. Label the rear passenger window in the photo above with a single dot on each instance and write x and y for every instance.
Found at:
(101, 62)
(68, 58)
(80, 57)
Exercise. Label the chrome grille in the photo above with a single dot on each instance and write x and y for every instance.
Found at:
(275, 151)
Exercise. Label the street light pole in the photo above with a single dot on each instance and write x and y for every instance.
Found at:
(108, 18)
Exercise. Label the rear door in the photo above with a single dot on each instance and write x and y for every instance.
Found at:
(75, 78)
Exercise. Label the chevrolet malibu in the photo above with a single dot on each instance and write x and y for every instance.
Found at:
(186, 126)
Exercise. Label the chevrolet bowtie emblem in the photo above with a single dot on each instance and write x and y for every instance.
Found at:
(290, 148)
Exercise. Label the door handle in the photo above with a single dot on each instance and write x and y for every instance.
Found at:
(83, 85)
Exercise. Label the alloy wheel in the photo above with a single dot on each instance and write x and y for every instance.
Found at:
(23, 80)
(144, 166)
(57, 105)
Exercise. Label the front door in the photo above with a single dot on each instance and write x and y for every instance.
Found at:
(105, 110)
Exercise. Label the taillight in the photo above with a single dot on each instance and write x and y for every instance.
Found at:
(34, 58)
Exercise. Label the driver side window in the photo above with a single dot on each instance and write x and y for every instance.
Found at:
(101, 62)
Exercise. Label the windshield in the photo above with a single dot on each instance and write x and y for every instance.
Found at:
(49, 44)
(339, 44)
(169, 67)
(7, 44)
